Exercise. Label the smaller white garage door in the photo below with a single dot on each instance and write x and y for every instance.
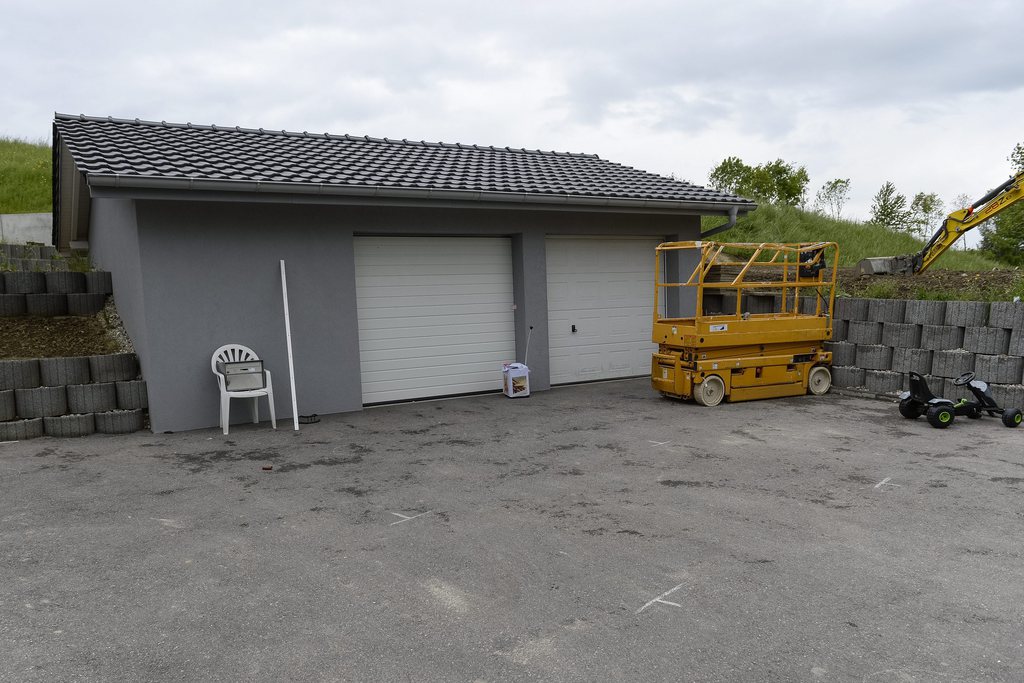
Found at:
(435, 315)
(604, 290)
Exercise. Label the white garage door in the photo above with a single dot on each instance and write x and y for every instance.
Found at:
(435, 315)
(604, 289)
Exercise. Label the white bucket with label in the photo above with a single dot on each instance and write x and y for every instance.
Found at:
(516, 379)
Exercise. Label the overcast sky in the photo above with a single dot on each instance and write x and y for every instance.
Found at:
(929, 95)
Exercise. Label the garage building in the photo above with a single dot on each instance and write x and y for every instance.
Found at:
(414, 268)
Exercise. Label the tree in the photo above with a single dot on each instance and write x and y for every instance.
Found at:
(962, 201)
(776, 182)
(926, 214)
(832, 197)
(889, 208)
(1004, 238)
(729, 175)
(1016, 158)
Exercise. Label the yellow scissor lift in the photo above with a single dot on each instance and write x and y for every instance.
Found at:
(757, 334)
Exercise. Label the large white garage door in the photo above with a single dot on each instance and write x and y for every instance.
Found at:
(604, 289)
(435, 315)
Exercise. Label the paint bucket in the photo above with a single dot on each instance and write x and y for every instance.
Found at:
(516, 379)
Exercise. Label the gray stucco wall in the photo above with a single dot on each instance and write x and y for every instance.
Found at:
(207, 273)
(116, 248)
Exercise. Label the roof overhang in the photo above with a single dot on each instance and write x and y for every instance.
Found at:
(247, 190)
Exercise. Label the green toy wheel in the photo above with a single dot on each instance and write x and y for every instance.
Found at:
(1012, 417)
(940, 417)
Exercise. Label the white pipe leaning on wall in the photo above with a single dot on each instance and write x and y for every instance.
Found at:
(288, 336)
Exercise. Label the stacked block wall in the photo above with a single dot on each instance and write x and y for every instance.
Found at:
(876, 342)
(53, 293)
(67, 397)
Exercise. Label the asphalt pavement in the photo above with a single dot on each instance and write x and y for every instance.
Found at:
(589, 533)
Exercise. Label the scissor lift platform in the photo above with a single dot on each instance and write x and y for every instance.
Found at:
(760, 333)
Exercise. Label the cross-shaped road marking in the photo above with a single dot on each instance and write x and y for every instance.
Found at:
(406, 518)
(659, 599)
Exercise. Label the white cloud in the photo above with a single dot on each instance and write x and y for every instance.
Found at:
(920, 93)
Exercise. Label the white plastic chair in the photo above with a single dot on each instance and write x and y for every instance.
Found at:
(232, 353)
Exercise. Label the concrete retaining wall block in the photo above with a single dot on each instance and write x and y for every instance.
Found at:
(19, 374)
(1016, 343)
(839, 329)
(46, 304)
(41, 402)
(758, 302)
(903, 335)
(116, 367)
(98, 282)
(999, 369)
(1006, 314)
(64, 282)
(20, 282)
(86, 304)
(12, 305)
(1008, 395)
(119, 422)
(925, 312)
(864, 332)
(851, 309)
(843, 353)
(30, 251)
(912, 360)
(966, 313)
(69, 426)
(20, 430)
(719, 302)
(941, 337)
(990, 340)
(131, 395)
(92, 398)
(952, 363)
(7, 408)
(54, 372)
(953, 392)
(883, 381)
(874, 356)
(886, 310)
(847, 376)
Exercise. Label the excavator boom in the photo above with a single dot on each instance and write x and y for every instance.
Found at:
(954, 226)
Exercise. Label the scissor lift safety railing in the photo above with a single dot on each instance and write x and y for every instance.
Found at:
(757, 334)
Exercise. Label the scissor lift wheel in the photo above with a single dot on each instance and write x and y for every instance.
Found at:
(819, 380)
(710, 392)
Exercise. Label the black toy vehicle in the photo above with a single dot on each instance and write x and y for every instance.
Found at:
(940, 412)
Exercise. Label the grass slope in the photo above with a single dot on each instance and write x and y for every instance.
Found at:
(25, 177)
(856, 240)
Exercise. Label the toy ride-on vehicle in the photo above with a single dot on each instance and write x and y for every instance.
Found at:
(940, 412)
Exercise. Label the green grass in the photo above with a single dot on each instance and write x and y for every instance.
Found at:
(25, 177)
(856, 240)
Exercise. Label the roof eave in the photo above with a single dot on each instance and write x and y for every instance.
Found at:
(134, 182)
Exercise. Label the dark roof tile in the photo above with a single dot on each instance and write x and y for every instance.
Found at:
(108, 146)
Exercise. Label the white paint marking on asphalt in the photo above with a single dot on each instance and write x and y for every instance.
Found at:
(659, 443)
(4, 443)
(659, 599)
(885, 482)
(406, 518)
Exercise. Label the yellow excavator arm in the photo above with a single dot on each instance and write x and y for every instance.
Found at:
(955, 225)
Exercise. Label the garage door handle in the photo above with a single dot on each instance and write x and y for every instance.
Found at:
(574, 329)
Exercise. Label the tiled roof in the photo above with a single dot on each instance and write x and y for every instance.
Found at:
(144, 152)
